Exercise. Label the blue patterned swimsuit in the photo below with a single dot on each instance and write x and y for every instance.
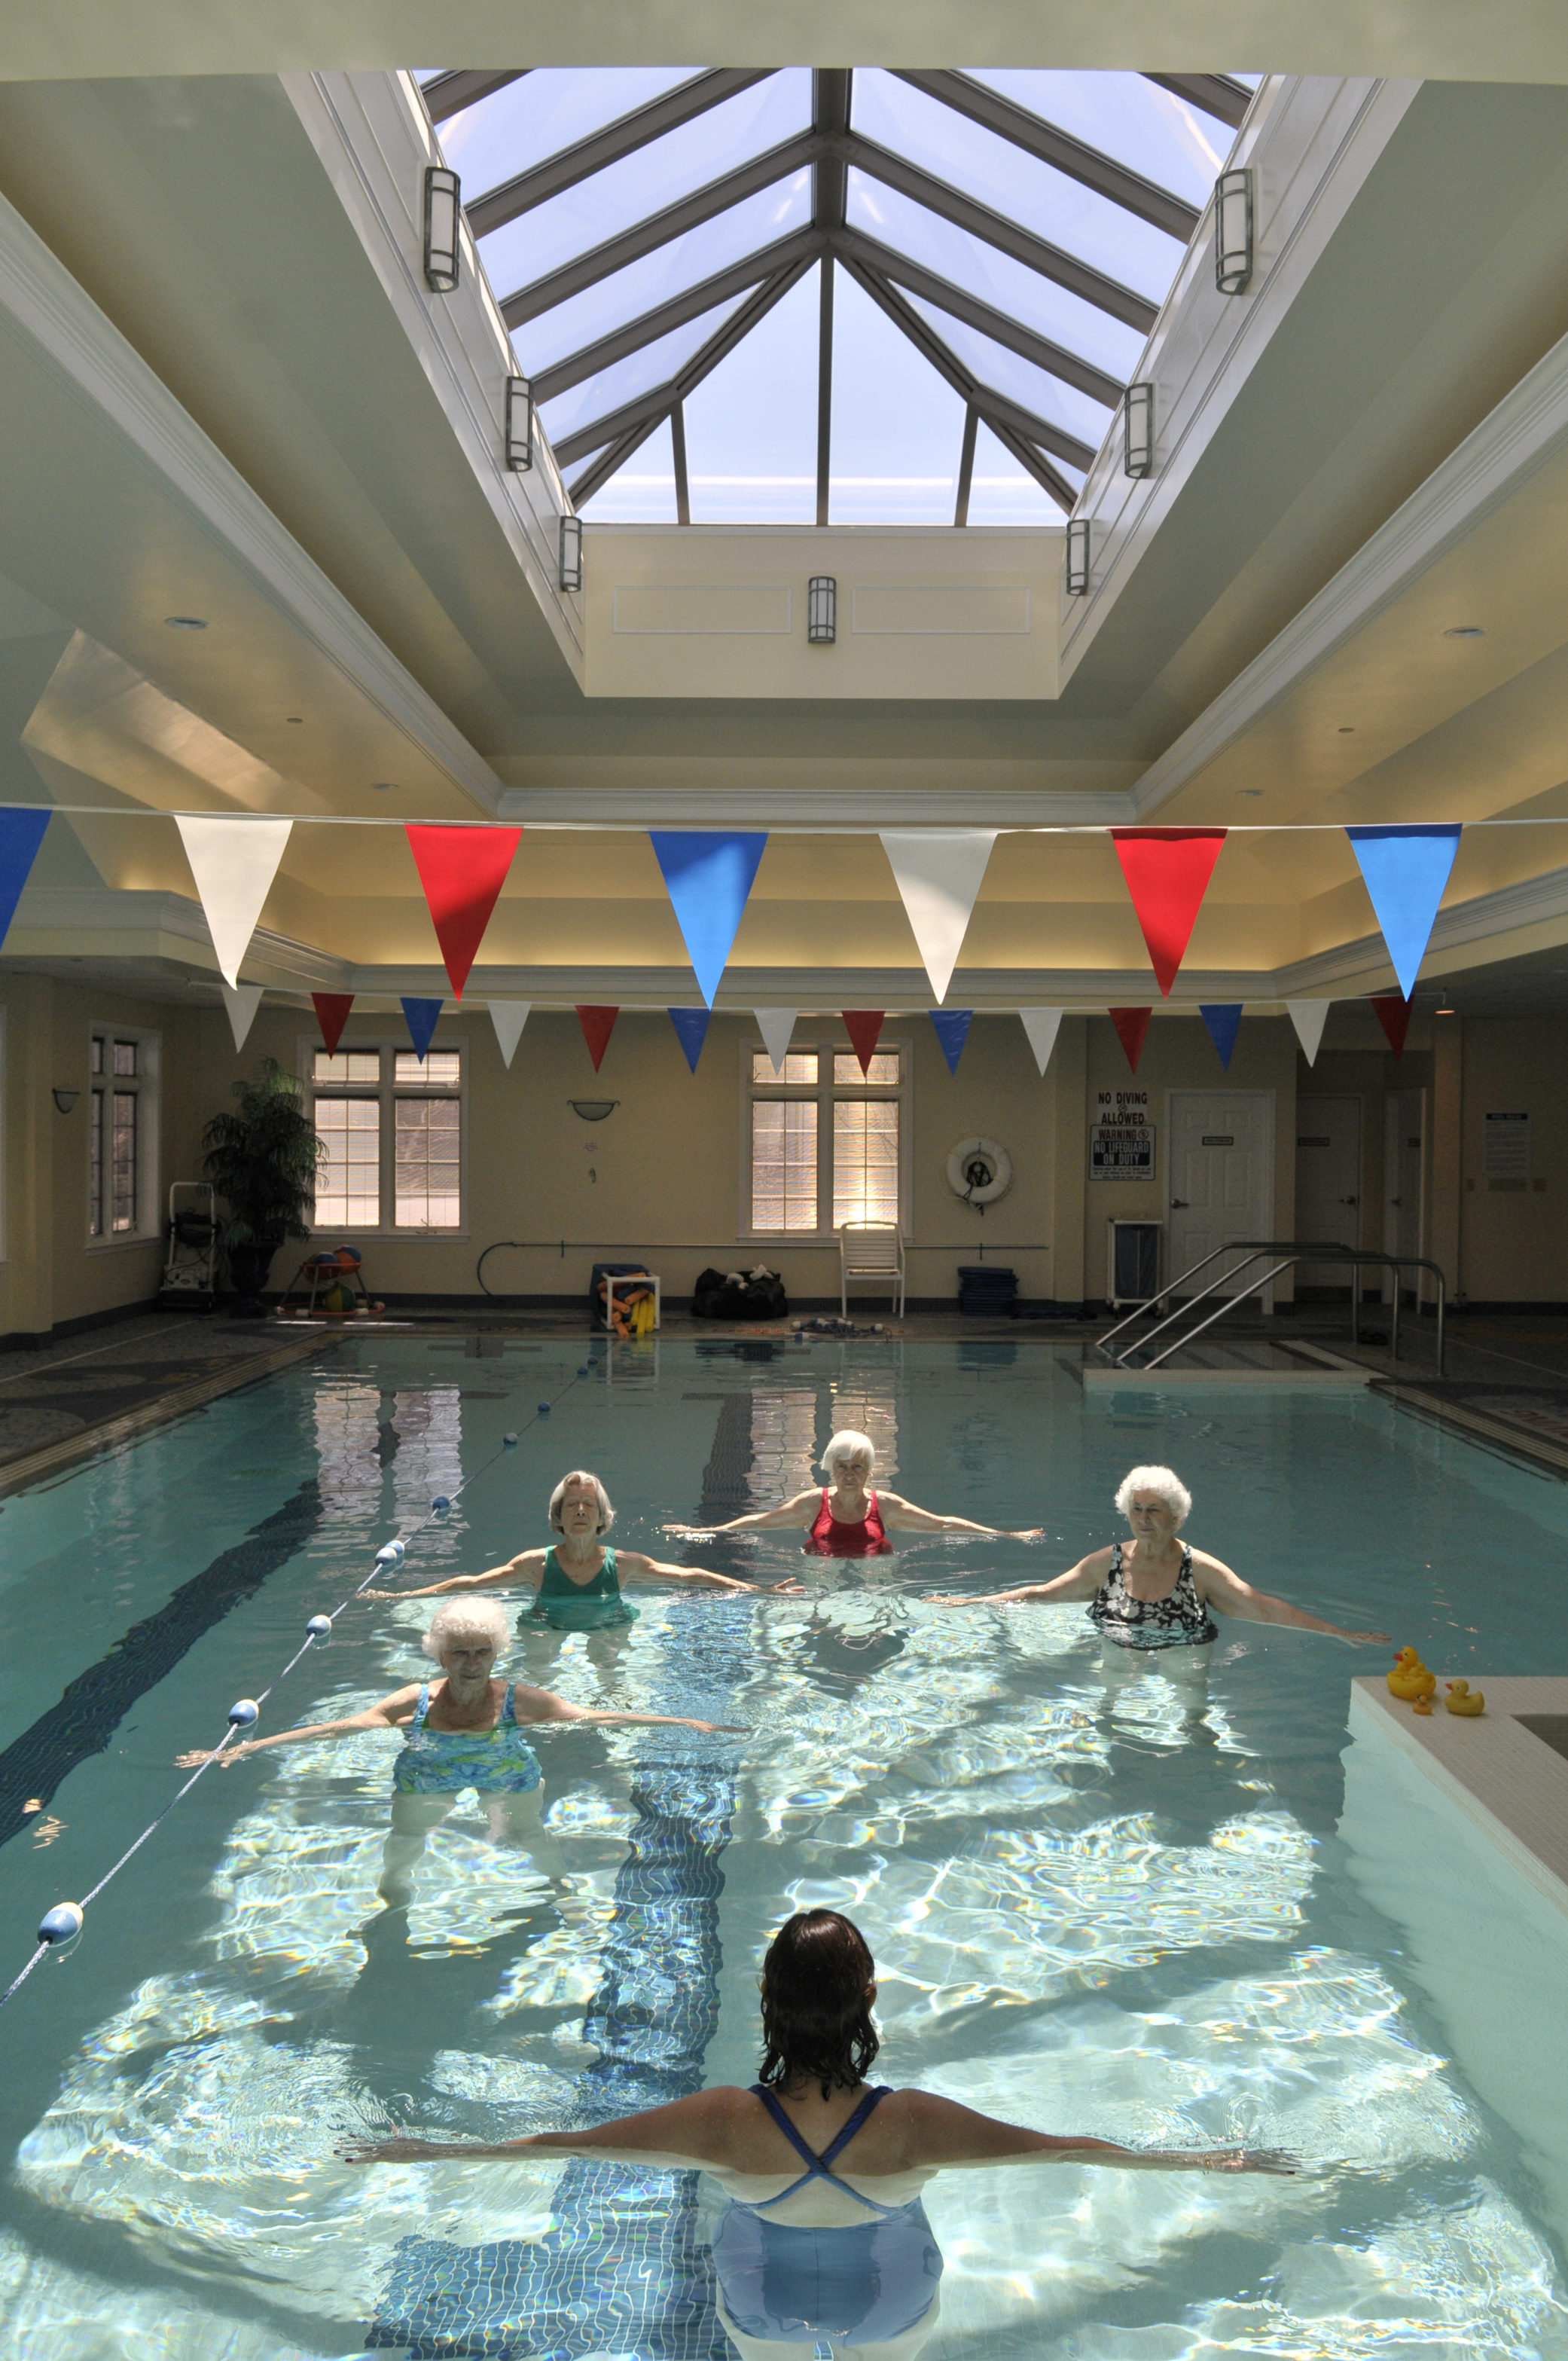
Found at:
(498, 1760)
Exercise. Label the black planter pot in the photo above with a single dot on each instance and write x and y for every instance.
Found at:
(249, 1268)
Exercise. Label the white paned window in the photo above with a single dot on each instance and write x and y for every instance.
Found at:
(122, 1134)
(865, 1160)
(825, 1143)
(784, 1164)
(392, 1129)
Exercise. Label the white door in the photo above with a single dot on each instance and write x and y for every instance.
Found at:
(1222, 1179)
(1328, 1182)
(1404, 1160)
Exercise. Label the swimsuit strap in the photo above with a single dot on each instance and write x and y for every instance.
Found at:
(868, 2106)
(818, 2167)
(1115, 1561)
(509, 1709)
(422, 1709)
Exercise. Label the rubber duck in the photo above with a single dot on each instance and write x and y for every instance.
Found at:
(1421, 1705)
(1408, 1677)
(1463, 1699)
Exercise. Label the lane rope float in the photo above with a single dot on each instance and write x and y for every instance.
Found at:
(62, 1922)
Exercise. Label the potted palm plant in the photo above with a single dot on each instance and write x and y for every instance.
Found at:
(262, 1159)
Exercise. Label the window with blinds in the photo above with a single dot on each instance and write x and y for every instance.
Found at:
(825, 1140)
(392, 1128)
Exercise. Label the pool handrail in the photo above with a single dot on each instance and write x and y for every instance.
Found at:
(1291, 1251)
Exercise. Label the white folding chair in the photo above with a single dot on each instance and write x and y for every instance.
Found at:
(872, 1250)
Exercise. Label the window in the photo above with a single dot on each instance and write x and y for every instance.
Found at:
(122, 1134)
(826, 1141)
(392, 1129)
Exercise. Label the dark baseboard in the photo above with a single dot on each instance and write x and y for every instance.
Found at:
(34, 1340)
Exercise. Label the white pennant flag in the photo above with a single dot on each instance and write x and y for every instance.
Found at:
(937, 873)
(776, 1025)
(242, 1001)
(1042, 1025)
(233, 859)
(509, 1017)
(1309, 1017)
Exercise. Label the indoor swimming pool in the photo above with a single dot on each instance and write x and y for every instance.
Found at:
(1115, 1904)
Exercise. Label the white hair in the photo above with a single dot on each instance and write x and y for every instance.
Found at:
(848, 1444)
(581, 1476)
(1163, 1480)
(467, 1619)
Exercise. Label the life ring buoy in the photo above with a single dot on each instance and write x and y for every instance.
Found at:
(980, 1170)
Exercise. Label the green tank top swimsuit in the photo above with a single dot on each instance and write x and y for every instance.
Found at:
(568, 1606)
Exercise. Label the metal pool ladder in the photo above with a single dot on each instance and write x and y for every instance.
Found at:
(1251, 1250)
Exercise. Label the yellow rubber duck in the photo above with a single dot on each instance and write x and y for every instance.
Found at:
(1463, 1699)
(1422, 1704)
(1408, 1677)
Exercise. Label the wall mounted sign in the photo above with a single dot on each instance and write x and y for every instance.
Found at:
(1120, 1136)
(1505, 1153)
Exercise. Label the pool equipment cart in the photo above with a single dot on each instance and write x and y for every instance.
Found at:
(189, 1269)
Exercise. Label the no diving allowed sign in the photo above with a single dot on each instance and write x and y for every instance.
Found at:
(1120, 1136)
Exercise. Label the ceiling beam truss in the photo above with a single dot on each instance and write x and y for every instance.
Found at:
(1217, 95)
(576, 368)
(449, 93)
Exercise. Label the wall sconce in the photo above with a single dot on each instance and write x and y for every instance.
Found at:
(520, 426)
(1232, 230)
(1077, 558)
(593, 1110)
(1137, 431)
(822, 611)
(65, 1100)
(443, 228)
(571, 553)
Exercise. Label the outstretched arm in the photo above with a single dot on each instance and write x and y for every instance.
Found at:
(631, 1565)
(902, 1516)
(1080, 1581)
(543, 1705)
(788, 1512)
(526, 1566)
(940, 2132)
(1230, 1595)
(695, 2130)
(389, 1714)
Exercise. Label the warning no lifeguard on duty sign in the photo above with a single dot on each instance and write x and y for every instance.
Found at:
(1120, 1136)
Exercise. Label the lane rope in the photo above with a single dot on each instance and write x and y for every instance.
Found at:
(60, 1925)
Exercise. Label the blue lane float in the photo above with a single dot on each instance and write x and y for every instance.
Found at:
(440, 1505)
(58, 1925)
(243, 1712)
(320, 1627)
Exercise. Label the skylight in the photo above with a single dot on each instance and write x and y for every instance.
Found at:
(833, 297)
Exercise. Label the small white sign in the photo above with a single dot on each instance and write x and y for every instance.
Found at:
(1505, 1155)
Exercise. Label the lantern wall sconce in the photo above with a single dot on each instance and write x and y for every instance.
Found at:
(822, 611)
(1232, 230)
(65, 1100)
(571, 553)
(443, 228)
(1077, 558)
(520, 426)
(1137, 431)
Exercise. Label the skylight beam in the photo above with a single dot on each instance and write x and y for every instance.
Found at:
(609, 462)
(449, 93)
(830, 180)
(966, 466)
(678, 446)
(1217, 95)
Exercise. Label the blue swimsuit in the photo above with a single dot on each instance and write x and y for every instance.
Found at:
(867, 2281)
(498, 1760)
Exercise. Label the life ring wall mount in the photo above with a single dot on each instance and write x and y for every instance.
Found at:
(980, 1170)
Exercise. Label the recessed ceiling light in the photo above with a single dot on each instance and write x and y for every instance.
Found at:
(1446, 1012)
(1466, 632)
(186, 622)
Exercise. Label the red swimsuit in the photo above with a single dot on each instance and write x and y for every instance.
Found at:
(834, 1536)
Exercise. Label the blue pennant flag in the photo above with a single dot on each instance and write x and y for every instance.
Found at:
(21, 833)
(1405, 869)
(709, 874)
(953, 1031)
(692, 1025)
(420, 1016)
(1223, 1019)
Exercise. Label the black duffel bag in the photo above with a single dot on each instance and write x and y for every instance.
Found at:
(737, 1295)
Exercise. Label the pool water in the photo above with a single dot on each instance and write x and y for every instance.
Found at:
(1100, 1902)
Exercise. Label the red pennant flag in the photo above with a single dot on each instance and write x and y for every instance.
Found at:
(1394, 1015)
(462, 870)
(597, 1025)
(1167, 872)
(331, 1014)
(1132, 1031)
(864, 1027)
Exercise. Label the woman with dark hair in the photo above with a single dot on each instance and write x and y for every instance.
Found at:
(825, 2238)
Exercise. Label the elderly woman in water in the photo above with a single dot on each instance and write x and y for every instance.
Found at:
(825, 2238)
(844, 1518)
(464, 1731)
(1157, 1592)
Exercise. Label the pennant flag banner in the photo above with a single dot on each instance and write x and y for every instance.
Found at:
(461, 871)
(938, 874)
(331, 1014)
(1223, 1019)
(709, 873)
(509, 1017)
(21, 833)
(420, 1016)
(1042, 1025)
(1405, 869)
(1167, 872)
(776, 1026)
(1309, 1017)
(692, 1025)
(234, 859)
(1394, 1015)
(864, 1027)
(953, 1031)
(597, 1025)
(242, 1001)
(1132, 1031)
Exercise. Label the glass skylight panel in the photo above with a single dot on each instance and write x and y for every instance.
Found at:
(1032, 193)
(644, 183)
(624, 381)
(1168, 139)
(551, 108)
(1008, 372)
(752, 426)
(644, 491)
(897, 426)
(1009, 287)
(1002, 492)
(641, 287)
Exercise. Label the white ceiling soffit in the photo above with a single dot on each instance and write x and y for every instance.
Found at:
(1510, 41)
(1528, 428)
(208, 519)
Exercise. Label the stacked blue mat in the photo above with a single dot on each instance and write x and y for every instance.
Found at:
(987, 1290)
